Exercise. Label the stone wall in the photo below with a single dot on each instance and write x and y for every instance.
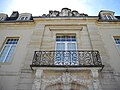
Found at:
(41, 35)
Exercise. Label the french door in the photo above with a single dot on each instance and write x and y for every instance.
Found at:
(66, 50)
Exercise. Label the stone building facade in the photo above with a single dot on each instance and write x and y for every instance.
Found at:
(62, 50)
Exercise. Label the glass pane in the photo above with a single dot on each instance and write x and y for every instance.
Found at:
(65, 38)
(3, 54)
(57, 38)
(118, 46)
(73, 38)
(117, 40)
(71, 46)
(60, 46)
(73, 54)
(59, 55)
(105, 17)
(10, 53)
(22, 18)
(110, 17)
(26, 18)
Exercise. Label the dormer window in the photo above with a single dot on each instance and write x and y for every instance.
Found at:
(107, 15)
(3, 17)
(24, 16)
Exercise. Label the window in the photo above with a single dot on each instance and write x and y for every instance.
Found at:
(1, 18)
(8, 49)
(66, 50)
(108, 17)
(24, 18)
(66, 42)
(117, 41)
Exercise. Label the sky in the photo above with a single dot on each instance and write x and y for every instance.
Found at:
(40, 7)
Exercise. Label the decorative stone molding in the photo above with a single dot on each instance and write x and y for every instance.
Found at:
(53, 13)
(66, 79)
(65, 12)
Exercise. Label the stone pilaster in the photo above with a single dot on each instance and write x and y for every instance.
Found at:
(96, 83)
(37, 81)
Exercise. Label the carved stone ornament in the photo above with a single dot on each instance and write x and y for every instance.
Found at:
(66, 79)
(65, 12)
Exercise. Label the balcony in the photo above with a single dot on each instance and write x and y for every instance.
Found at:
(86, 58)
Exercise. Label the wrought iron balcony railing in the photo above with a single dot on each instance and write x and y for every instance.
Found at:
(67, 58)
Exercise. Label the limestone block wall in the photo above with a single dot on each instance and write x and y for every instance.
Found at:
(27, 75)
(43, 38)
(89, 37)
(41, 35)
(10, 72)
(110, 74)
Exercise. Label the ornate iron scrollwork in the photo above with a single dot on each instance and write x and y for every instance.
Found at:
(67, 58)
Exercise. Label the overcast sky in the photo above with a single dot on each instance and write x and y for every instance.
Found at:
(39, 7)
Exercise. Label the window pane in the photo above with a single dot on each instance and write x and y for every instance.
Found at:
(118, 47)
(26, 18)
(65, 38)
(105, 17)
(73, 38)
(110, 17)
(57, 38)
(71, 46)
(1, 18)
(10, 53)
(4, 53)
(60, 46)
(117, 41)
(22, 18)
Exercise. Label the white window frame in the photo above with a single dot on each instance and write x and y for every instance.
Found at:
(66, 45)
(66, 42)
(8, 51)
(117, 45)
(66, 49)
